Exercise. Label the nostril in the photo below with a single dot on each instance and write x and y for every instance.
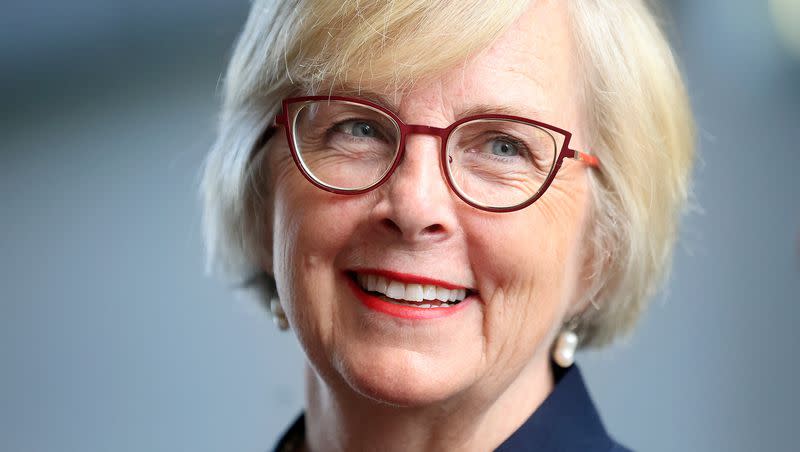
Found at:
(434, 228)
(411, 231)
(391, 225)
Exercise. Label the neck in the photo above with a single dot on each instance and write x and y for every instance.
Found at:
(339, 419)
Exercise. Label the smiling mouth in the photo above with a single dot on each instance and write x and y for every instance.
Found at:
(423, 296)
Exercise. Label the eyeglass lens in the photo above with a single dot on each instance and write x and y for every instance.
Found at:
(493, 162)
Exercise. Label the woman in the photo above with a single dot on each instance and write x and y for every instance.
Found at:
(443, 200)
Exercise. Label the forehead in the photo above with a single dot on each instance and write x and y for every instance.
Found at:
(535, 54)
(529, 70)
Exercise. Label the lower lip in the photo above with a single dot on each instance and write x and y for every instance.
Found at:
(402, 311)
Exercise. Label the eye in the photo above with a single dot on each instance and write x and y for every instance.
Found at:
(504, 148)
(358, 129)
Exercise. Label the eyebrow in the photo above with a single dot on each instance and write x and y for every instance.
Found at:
(484, 109)
(371, 96)
(475, 110)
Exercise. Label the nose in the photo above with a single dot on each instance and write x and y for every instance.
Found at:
(415, 204)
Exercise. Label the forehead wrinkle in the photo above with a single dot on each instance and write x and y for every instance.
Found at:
(504, 109)
(528, 73)
(475, 99)
(520, 73)
(463, 105)
(383, 100)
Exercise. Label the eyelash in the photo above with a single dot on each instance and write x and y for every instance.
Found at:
(520, 145)
(522, 148)
(378, 128)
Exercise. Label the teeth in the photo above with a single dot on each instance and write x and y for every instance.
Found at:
(413, 292)
(410, 292)
(396, 290)
(381, 285)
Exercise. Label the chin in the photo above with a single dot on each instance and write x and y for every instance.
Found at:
(400, 378)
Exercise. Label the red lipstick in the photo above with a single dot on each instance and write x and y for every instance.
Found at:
(406, 278)
(400, 310)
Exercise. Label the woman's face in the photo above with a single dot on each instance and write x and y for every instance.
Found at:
(522, 268)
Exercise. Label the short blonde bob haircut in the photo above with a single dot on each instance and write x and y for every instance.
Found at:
(640, 124)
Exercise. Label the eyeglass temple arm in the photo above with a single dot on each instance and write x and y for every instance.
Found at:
(583, 157)
(267, 133)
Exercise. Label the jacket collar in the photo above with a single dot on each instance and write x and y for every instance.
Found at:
(566, 421)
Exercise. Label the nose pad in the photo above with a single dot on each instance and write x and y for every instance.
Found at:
(416, 203)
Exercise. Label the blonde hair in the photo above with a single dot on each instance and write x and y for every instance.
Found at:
(640, 123)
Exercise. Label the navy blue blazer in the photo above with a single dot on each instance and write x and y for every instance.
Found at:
(567, 421)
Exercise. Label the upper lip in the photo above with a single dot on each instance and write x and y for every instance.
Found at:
(407, 278)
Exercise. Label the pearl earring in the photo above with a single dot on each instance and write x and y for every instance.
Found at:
(564, 349)
(278, 315)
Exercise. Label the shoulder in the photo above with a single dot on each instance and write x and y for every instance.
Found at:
(566, 421)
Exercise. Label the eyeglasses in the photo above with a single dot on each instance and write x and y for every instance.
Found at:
(494, 162)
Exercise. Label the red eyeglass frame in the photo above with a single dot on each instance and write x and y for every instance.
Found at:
(282, 119)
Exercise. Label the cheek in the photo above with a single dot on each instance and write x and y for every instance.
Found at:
(310, 227)
(527, 267)
(302, 214)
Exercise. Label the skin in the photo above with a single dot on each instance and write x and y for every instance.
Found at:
(463, 382)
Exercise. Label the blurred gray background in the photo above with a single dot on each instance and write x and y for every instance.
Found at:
(112, 339)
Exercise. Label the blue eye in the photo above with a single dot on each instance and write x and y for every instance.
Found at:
(504, 148)
(358, 129)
